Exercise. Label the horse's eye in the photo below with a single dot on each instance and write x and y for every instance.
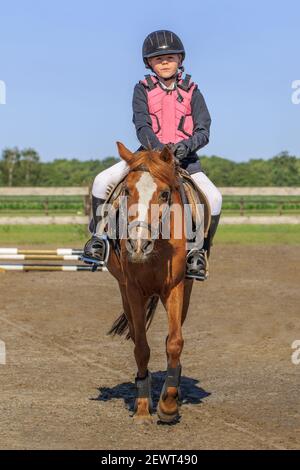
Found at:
(165, 195)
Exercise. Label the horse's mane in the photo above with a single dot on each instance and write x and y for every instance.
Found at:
(158, 168)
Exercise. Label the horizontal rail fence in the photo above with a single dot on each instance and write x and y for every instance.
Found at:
(76, 201)
(45, 200)
(277, 205)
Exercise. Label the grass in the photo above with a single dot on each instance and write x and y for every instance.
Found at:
(76, 235)
(259, 234)
(72, 236)
(37, 205)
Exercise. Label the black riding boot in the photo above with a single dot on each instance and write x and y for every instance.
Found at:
(96, 248)
(197, 259)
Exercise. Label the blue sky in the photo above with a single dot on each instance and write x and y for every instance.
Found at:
(70, 68)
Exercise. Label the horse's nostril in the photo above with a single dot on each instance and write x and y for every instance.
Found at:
(146, 244)
(130, 244)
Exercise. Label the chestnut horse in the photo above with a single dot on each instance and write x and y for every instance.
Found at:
(150, 269)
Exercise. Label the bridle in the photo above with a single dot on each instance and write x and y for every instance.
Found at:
(141, 223)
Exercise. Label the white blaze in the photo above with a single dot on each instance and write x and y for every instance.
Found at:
(146, 188)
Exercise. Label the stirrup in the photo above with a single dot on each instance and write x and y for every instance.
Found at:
(197, 264)
(96, 250)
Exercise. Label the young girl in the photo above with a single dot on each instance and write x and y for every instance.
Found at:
(166, 109)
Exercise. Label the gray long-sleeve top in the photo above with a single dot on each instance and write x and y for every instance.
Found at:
(145, 134)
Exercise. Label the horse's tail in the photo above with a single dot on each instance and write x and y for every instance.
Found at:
(120, 326)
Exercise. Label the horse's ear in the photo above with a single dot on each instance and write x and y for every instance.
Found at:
(124, 153)
(166, 154)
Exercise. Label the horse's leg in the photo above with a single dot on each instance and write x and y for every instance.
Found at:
(188, 285)
(143, 403)
(168, 403)
(127, 309)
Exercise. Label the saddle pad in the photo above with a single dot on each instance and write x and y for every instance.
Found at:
(196, 196)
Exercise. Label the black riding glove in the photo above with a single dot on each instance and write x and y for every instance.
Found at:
(180, 151)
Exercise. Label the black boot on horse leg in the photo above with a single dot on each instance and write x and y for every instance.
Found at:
(143, 399)
(143, 404)
(167, 410)
(96, 249)
(168, 406)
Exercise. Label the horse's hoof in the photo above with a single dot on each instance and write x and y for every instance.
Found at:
(165, 417)
(142, 419)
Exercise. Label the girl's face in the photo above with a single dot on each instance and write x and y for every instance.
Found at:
(165, 65)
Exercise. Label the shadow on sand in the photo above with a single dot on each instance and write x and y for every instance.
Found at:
(191, 393)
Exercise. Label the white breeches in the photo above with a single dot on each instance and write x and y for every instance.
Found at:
(111, 176)
(210, 190)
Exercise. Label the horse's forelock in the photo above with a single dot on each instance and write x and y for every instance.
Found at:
(158, 168)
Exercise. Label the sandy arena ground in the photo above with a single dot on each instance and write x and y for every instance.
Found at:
(67, 385)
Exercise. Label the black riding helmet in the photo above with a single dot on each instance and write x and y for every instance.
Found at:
(162, 42)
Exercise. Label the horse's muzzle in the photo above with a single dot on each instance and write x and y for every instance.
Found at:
(139, 249)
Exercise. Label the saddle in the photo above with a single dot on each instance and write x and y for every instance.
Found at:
(194, 196)
(190, 194)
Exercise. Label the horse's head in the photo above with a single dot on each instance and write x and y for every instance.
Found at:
(148, 187)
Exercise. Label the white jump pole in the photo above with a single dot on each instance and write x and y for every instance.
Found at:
(57, 251)
(41, 257)
(47, 267)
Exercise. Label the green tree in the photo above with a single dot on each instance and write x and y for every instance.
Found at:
(29, 162)
(25, 168)
(11, 158)
(285, 170)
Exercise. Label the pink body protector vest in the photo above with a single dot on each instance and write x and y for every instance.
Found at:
(170, 110)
